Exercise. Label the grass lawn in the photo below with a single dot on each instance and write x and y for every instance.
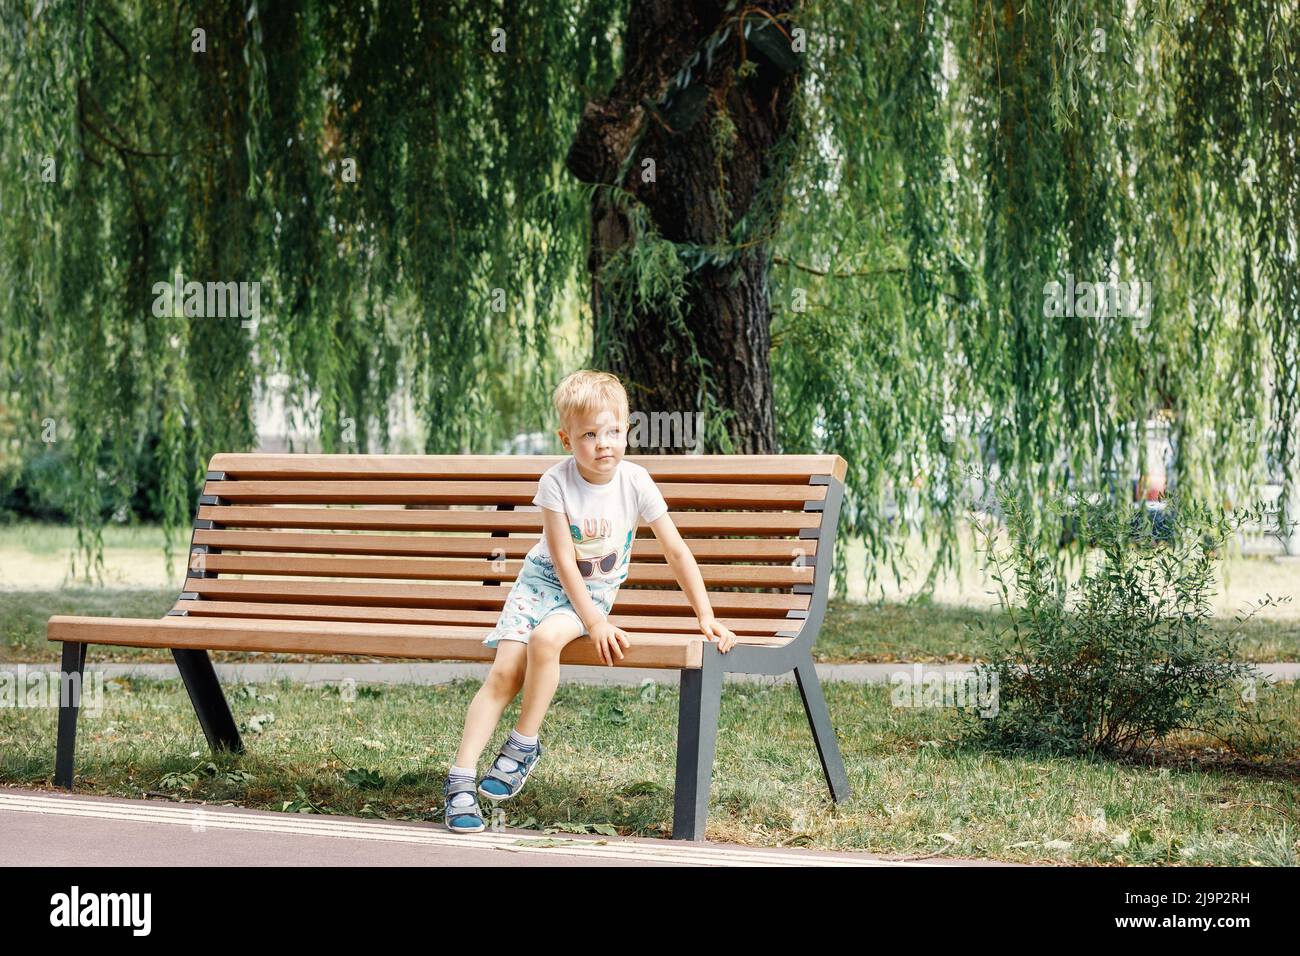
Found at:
(934, 632)
(610, 763)
(37, 555)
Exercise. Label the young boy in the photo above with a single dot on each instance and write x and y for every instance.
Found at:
(591, 505)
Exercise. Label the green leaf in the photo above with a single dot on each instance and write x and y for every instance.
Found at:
(364, 778)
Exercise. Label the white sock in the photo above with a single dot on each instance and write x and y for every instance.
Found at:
(519, 740)
(462, 799)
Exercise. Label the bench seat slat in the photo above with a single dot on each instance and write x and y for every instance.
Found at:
(740, 603)
(771, 469)
(396, 491)
(426, 642)
(451, 569)
(643, 549)
(412, 615)
(404, 519)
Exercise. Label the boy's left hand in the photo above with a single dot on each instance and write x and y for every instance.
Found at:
(715, 631)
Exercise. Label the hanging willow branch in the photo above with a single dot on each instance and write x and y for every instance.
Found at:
(394, 177)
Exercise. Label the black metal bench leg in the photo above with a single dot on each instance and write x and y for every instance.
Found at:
(697, 733)
(209, 702)
(819, 718)
(70, 678)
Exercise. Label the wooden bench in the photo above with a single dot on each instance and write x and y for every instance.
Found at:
(331, 554)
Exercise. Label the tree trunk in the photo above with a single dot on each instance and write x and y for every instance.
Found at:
(703, 182)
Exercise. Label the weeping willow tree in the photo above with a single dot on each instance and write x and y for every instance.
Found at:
(826, 225)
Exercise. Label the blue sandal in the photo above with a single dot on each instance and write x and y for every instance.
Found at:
(466, 819)
(500, 784)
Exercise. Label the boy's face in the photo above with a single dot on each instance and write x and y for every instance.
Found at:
(597, 440)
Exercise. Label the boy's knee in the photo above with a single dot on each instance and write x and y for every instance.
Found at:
(550, 637)
(504, 682)
(506, 677)
(543, 645)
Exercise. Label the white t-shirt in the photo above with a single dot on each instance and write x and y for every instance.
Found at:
(602, 518)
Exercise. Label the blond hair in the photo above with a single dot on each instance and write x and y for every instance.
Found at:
(590, 391)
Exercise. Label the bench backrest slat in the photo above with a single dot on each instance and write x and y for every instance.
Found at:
(493, 493)
(797, 469)
(453, 569)
(643, 549)
(784, 523)
(388, 594)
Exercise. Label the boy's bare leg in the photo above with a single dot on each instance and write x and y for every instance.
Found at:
(543, 672)
(485, 710)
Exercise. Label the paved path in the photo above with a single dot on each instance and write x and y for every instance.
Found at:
(422, 672)
(51, 828)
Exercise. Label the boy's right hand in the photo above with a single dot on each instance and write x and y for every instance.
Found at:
(607, 639)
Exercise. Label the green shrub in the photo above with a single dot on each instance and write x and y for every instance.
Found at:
(1124, 656)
